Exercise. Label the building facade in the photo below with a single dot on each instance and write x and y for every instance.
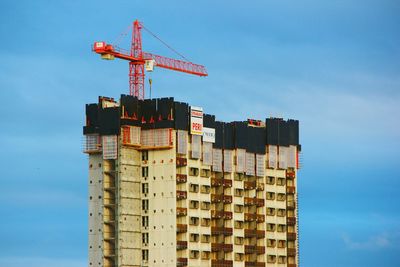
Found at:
(171, 186)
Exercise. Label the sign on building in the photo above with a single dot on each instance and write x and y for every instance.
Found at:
(208, 135)
(196, 120)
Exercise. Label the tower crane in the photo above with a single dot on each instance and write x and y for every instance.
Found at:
(140, 60)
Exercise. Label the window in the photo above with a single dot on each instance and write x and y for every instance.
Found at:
(194, 237)
(145, 188)
(205, 238)
(271, 243)
(238, 208)
(271, 227)
(281, 228)
(194, 171)
(205, 205)
(282, 259)
(281, 243)
(281, 197)
(194, 221)
(281, 212)
(238, 176)
(145, 221)
(145, 155)
(270, 211)
(205, 255)
(205, 189)
(194, 204)
(145, 204)
(194, 254)
(145, 171)
(270, 180)
(238, 192)
(145, 238)
(205, 222)
(238, 240)
(145, 255)
(239, 256)
(280, 181)
(205, 173)
(194, 188)
(270, 195)
(239, 224)
(271, 258)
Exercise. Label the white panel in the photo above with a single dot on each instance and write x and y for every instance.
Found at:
(162, 137)
(228, 160)
(208, 135)
(217, 160)
(92, 143)
(260, 165)
(196, 146)
(240, 160)
(110, 149)
(182, 142)
(250, 163)
(292, 157)
(272, 157)
(147, 137)
(283, 156)
(207, 153)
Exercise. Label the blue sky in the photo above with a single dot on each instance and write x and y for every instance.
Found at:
(334, 65)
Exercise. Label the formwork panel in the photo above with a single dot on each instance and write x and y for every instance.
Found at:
(129, 257)
(196, 146)
(283, 156)
(217, 160)
(292, 157)
(260, 165)
(272, 157)
(110, 147)
(250, 163)
(207, 153)
(182, 142)
(228, 160)
(240, 160)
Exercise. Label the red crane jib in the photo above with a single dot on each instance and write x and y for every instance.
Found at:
(162, 62)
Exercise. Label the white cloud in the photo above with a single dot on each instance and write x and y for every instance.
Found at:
(380, 241)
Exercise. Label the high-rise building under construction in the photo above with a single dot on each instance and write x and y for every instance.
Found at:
(171, 186)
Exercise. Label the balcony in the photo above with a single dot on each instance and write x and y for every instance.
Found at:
(181, 262)
(249, 185)
(180, 245)
(254, 249)
(181, 194)
(250, 217)
(227, 215)
(221, 231)
(227, 199)
(290, 189)
(291, 252)
(254, 233)
(221, 247)
(291, 205)
(260, 218)
(254, 264)
(290, 174)
(220, 181)
(181, 228)
(181, 178)
(291, 220)
(254, 201)
(221, 263)
(181, 211)
(291, 236)
(292, 265)
(181, 162)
